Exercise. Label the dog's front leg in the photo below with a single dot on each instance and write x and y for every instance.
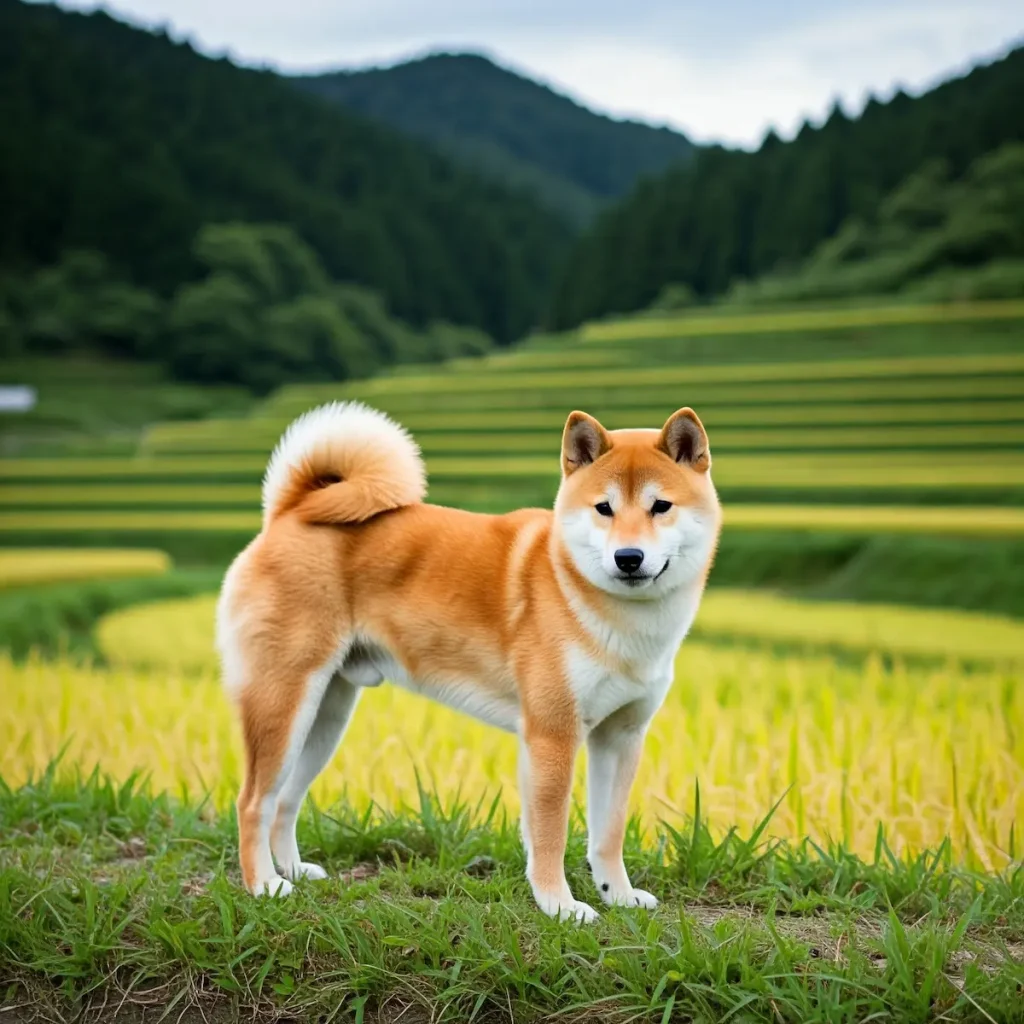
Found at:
(613, 753)
(545, 776)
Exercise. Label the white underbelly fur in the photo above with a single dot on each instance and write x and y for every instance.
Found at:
(461, 695)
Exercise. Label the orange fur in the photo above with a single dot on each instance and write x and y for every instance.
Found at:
(353, 577)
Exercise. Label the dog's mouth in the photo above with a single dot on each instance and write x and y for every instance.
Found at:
(637, 580)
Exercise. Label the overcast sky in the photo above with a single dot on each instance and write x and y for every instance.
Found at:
(723, 71)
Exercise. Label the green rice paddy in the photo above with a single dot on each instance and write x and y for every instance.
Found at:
(813, 415)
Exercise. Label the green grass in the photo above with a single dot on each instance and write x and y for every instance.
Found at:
(87, 399)
(114, 901)
(939, 572)
(61, 618)
(943, 572)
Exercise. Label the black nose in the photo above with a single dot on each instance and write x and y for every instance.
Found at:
(629, 559)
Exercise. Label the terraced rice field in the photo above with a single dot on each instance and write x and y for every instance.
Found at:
(291, 401)
(235, 509)
(182, 437)
(859, 469)
(511, 438)
(956, 521)
(695, 376)
(803, 320)
(896, 632)
(861, 407)
(35, 566)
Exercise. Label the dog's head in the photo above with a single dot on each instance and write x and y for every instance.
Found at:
(636, 510)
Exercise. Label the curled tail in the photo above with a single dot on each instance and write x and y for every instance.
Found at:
(342, 463)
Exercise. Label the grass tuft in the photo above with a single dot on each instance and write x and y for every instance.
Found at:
(112, 895)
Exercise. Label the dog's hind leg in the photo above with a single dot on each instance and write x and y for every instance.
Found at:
(524, 797)
(333, 715)
(278, 715)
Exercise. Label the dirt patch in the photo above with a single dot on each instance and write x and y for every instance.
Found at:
(828, 935)
(360, 872)
(196, 885)
(810, 928)
(132, 849)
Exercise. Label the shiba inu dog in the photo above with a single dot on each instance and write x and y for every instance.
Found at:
(560, 625)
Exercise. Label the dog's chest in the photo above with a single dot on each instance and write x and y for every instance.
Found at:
(636, 662)
(601, 690)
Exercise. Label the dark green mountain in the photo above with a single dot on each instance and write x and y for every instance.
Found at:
(125, 142)
(512, 128)
(933, 238)
(731, 215)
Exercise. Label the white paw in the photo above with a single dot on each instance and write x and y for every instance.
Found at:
(630, 898)
(275, 886)
(305, 870)
(565, 908)
(578, 911)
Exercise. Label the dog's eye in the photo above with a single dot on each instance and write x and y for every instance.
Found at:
(660, 507)
(603, 508)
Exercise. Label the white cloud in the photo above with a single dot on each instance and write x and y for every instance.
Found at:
(781, 78)
(722, 73)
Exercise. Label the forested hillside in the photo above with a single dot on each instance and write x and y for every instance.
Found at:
(263, 312)
(126, 143)
(511, 128)
(934, 237)
(731, 216)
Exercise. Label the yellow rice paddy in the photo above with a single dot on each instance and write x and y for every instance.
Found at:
(27, 566)
(930, 750)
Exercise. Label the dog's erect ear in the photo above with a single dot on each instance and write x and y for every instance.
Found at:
(684, 439)
(583, 441)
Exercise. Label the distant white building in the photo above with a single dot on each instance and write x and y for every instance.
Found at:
(17, 398)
